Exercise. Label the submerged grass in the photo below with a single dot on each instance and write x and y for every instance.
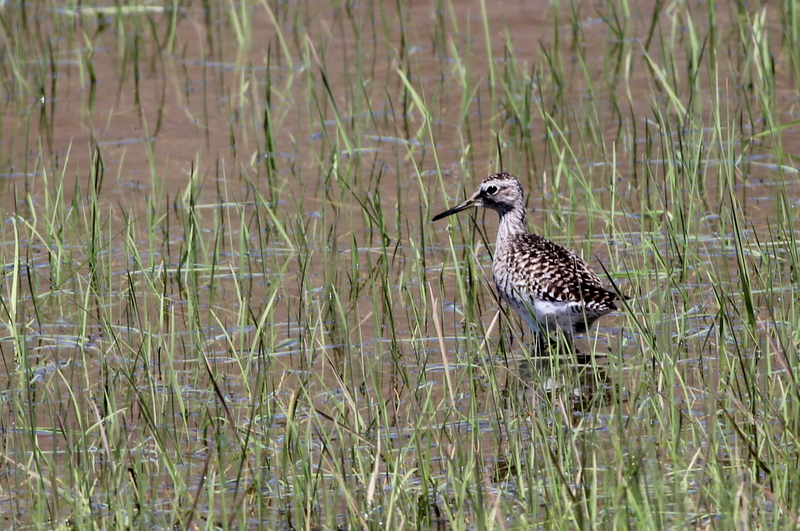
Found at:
(225, 305)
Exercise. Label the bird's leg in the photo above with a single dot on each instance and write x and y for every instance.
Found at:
(562, 344)
(570, 344)
(541, 346)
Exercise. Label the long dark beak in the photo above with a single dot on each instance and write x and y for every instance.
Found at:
(458, 208)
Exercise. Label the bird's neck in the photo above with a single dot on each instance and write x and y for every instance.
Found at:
(512, 222)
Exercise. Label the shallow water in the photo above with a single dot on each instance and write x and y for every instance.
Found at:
(184, 153)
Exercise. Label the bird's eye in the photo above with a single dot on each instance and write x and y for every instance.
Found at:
(491, 190)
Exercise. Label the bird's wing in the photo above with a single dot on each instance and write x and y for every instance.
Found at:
(552, 272)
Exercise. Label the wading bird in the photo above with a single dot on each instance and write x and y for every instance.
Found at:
(549, 286)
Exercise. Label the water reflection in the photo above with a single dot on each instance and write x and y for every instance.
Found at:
(578, 381)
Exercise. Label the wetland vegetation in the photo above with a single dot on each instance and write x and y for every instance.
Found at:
(224, 305)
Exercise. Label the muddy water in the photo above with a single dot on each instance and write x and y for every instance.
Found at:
(156, 116)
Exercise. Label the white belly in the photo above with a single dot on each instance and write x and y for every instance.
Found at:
(549, 316)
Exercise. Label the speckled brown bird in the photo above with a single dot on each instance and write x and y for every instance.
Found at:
(550, 286)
